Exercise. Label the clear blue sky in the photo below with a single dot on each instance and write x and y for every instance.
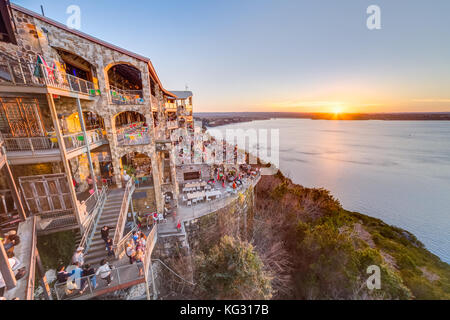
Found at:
(281, 55)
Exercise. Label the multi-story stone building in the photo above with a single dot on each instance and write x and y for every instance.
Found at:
(73, 107)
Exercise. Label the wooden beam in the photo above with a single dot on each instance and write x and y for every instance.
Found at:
(62, 148)
(14, 192)
(5, 269)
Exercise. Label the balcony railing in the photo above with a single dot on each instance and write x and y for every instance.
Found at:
(119, 96)
(133, 134)
(30, 143)
(171, 106)
(123, 276)
(172, 124)
(19, 73)
(33, 144)
(61, 80)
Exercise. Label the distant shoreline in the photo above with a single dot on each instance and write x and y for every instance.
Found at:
(223, 118)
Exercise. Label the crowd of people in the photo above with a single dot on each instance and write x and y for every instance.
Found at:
(135, 250)
(77, 280)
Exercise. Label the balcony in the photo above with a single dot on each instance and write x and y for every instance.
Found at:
(27, 77)
(132, 135)
(125, 97)
(28, 150)
(171, 107)
(172, 124)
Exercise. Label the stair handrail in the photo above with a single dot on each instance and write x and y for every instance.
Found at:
(91, 225)
(129, 189)
(121, 246)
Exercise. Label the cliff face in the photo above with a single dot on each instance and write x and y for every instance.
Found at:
(328, 249)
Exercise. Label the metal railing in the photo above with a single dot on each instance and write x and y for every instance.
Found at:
(76, 140)
(16, 72)
(129, 189)
(72, 141)
(172, 124)
(125, 139)
(119, 96)
(207, 207)
(56, 79)
(128, 274)
(30, 143)
(90, 224)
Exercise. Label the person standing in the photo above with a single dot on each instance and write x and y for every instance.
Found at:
(78, 257)
(130, 252)
(109, 247)
(88, 275)
(139, 258)
(105, 233)
(76, 274)
(62, 274)
(105, 272)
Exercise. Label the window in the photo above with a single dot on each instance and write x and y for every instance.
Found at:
(191, 176)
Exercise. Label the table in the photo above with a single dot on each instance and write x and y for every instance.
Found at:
(195, 184)
(214, 193)
(199, 194)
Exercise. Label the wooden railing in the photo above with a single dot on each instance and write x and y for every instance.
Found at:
(122, 245)
(32, 267)
(90, 225)
(152, 238)
(129, 189)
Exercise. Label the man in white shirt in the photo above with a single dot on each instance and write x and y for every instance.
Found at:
(14, 263)
(105, 272)
(78, 257)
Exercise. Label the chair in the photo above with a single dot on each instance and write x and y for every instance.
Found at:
(189, 203)
(194, 201)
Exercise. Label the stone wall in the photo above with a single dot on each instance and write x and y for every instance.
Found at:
(236, 219)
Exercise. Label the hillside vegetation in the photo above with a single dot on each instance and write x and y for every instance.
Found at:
(328, 249)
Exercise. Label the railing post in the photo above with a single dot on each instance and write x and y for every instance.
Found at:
(11, 72)
(31, 146)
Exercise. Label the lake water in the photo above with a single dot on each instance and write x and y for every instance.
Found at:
(398, 171)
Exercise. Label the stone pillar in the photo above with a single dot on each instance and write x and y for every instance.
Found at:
(110, 127)
(157, 183)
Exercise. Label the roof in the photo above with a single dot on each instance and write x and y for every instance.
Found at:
(95, 40)
(182, 94)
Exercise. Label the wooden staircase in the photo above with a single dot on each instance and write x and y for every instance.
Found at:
(109, 216)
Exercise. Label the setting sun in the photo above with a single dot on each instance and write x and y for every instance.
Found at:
(337, 110)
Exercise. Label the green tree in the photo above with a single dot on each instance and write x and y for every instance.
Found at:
(232, 270)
